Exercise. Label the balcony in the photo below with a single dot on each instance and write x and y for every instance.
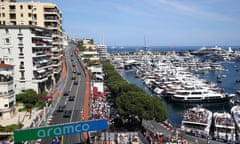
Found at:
(6, 80)
(41, 44)
(12, 8)
(10, 93)
(51, 18)
(12, 16)
(22, 78)
(20, 35)
(57, 70)
(42, 74)
(42, 53)
(47, 65)
(56, 57)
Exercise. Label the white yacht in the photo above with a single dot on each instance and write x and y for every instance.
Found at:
(224, 127)
(200, 95)
(197, 121)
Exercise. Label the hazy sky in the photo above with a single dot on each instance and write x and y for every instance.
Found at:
(162, 22)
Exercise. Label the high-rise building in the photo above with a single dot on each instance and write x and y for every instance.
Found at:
(29, 49)
(102, 52)
(40, 14)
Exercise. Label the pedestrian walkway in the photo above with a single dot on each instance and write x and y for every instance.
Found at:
(23, 117)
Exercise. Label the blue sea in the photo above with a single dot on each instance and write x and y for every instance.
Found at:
(175, 111)
(122, 49)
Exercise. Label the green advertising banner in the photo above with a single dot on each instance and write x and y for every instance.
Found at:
(59, 130)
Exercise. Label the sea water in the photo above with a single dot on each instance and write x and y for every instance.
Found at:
(229, 75)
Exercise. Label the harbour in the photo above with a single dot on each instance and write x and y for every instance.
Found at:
(228, 74)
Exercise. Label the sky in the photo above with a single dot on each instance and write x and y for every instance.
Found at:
(159, 22)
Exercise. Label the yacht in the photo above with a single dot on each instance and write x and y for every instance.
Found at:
(224, 127)
(197, 121)
(200, 95)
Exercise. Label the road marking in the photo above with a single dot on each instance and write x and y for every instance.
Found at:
(76, 96)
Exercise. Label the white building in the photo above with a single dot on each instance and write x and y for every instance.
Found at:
(102, 51)
(29, 50)
(7, 92)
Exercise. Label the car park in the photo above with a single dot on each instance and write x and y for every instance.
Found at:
(67, 113)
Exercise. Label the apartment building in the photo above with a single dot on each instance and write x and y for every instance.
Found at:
(29, 49)
(102, 52)
(7, 92)
(89, 45)
(40, 14)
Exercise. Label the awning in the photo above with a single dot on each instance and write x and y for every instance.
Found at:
(41, 71)
(50, 68)
(43, 61)
(99, 76)
(54, 48)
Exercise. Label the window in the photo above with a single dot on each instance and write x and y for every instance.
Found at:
(20, 39)
(21, 6)
(6, 31)
(6, 105)
(21, 14)
(22, 76)
(29, 7)
(7, 41)
(21, 49)
(20, 31)
(3, 14)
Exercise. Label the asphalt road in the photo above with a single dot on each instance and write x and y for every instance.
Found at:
(74, 90)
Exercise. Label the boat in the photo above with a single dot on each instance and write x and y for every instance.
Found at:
(238, 91)
(200, 95)
(224, 127)
(197, 121)
(235, 111)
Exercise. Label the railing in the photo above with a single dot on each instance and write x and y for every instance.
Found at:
(6, 133)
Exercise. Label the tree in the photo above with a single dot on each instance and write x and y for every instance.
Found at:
(30, 99)
(131, 100)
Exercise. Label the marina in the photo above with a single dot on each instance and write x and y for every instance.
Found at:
(206, 77)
